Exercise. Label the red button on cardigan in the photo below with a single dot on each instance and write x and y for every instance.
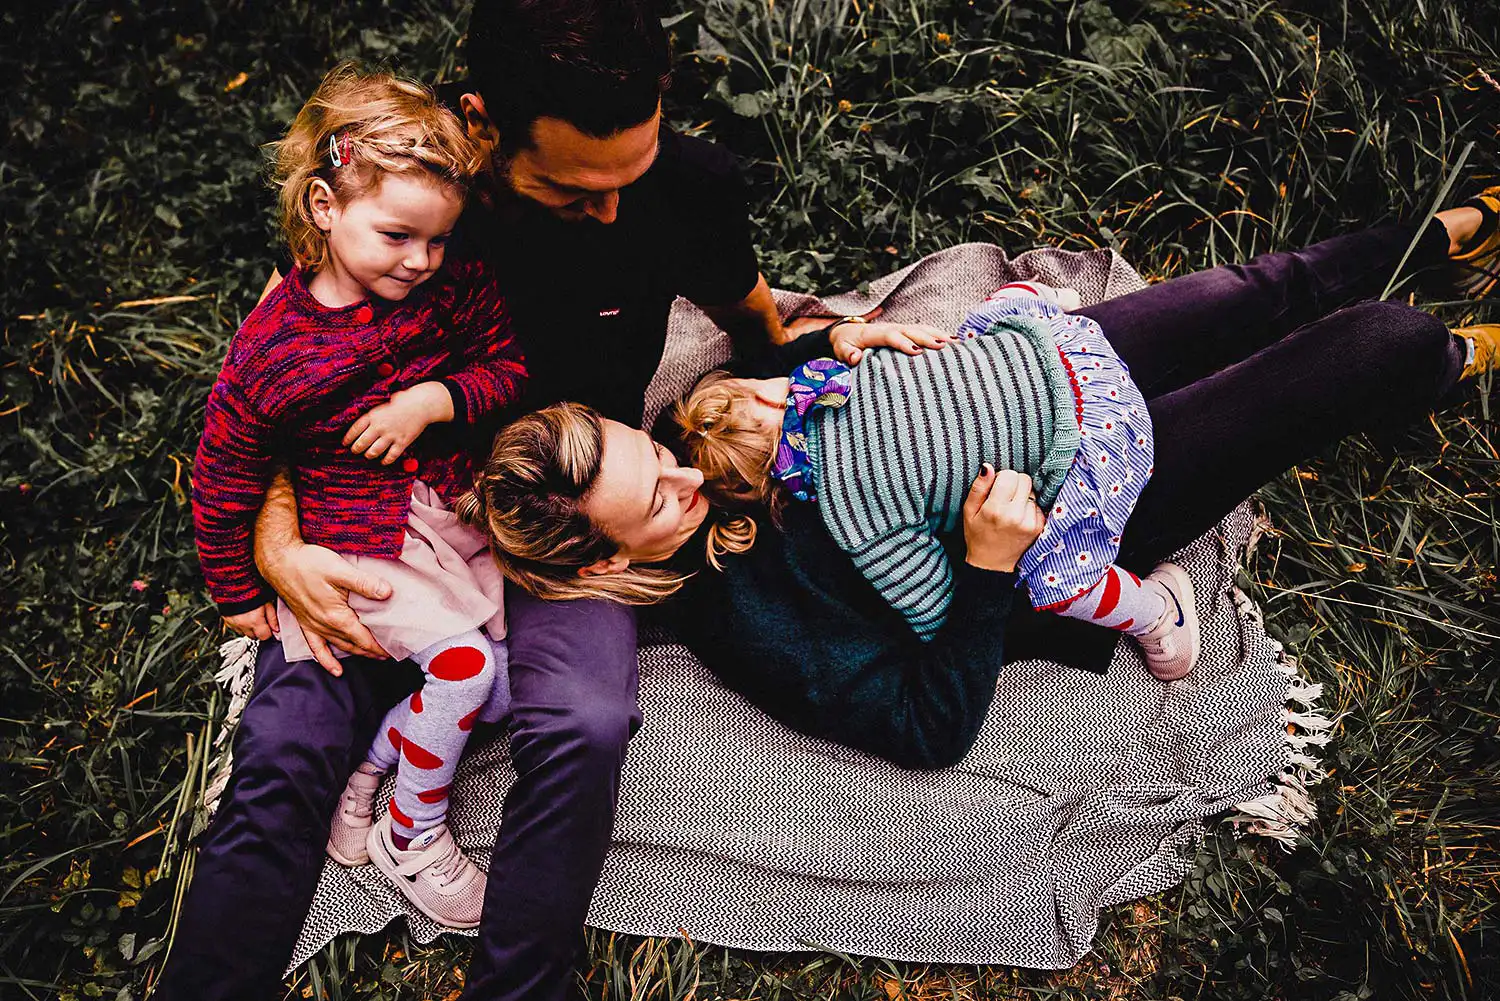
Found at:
(386, 369)
(408, 465)
(364, 314)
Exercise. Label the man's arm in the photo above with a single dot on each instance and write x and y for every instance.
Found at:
(751, 322)
(754, 322)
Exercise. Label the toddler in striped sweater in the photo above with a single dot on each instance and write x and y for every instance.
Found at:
(887, 449)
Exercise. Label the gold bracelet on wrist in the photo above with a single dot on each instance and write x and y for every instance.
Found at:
(843, 319)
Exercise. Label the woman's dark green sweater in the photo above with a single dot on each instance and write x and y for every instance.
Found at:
(797, 630)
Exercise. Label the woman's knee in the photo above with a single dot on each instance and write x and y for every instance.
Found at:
(1408, 353)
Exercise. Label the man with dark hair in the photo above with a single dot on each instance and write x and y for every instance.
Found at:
(596, 216)
(601, 67)
(565, 97)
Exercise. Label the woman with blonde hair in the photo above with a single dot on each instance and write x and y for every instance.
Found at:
(1245, 370)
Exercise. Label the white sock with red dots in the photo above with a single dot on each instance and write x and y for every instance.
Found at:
(424, 735)
(1121, 601)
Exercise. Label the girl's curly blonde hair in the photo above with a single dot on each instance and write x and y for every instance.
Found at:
(722, 439)
(356, 128)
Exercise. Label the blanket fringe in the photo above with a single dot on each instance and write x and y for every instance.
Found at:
(1288, 808)
(236, 675)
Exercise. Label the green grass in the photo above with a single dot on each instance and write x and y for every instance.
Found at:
(1183, 134)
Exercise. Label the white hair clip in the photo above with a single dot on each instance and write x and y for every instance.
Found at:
(333, 150)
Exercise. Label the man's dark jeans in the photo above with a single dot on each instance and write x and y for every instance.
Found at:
(573, 674)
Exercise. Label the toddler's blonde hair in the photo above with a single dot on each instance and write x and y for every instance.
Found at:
(725, 442)
(378, 124)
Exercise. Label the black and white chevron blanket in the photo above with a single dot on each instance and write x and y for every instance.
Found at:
(1083, 791)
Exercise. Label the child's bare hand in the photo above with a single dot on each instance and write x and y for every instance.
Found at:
(1001, 519)
(851, 340)
(387, 431)
(258, 623)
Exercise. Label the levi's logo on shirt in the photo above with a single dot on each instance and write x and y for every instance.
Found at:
(611, 311)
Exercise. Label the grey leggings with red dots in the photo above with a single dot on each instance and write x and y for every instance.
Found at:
(423, 736)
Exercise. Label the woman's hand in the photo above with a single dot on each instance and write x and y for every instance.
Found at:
(1001, 519)
(850, 340)
(258, 623)
(389, 429)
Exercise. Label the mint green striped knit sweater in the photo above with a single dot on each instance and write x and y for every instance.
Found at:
(892, 467)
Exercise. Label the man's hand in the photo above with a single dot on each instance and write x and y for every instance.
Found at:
(389, 429)
(850, 340)
(258, 623)
(1001, 519)
(315, 583)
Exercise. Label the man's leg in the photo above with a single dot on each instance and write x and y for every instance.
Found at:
(573, 674)
(1218, 440)
(301, 734)
(1179, 331)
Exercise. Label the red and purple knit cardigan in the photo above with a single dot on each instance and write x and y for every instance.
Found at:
(298, 374)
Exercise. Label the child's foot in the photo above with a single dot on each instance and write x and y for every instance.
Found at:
(1483, 348)
(438, 878)
(351, 824)
(1476, 263)
(1171, 646)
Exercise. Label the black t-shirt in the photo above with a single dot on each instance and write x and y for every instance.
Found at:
(590, 301)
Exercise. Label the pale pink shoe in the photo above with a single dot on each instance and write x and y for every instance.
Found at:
(351, 824)
(1172, 645)
(439, 879)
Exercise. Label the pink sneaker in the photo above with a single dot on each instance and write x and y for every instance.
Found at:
(439, 879)
(351, 824)
(1172, 645)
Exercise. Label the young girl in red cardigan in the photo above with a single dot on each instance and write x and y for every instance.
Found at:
(363, 371)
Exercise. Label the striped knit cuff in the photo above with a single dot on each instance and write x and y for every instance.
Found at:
(460, 405)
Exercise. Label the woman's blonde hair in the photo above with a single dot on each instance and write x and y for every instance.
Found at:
(356, 128)
(529, 501)
(722, 438)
